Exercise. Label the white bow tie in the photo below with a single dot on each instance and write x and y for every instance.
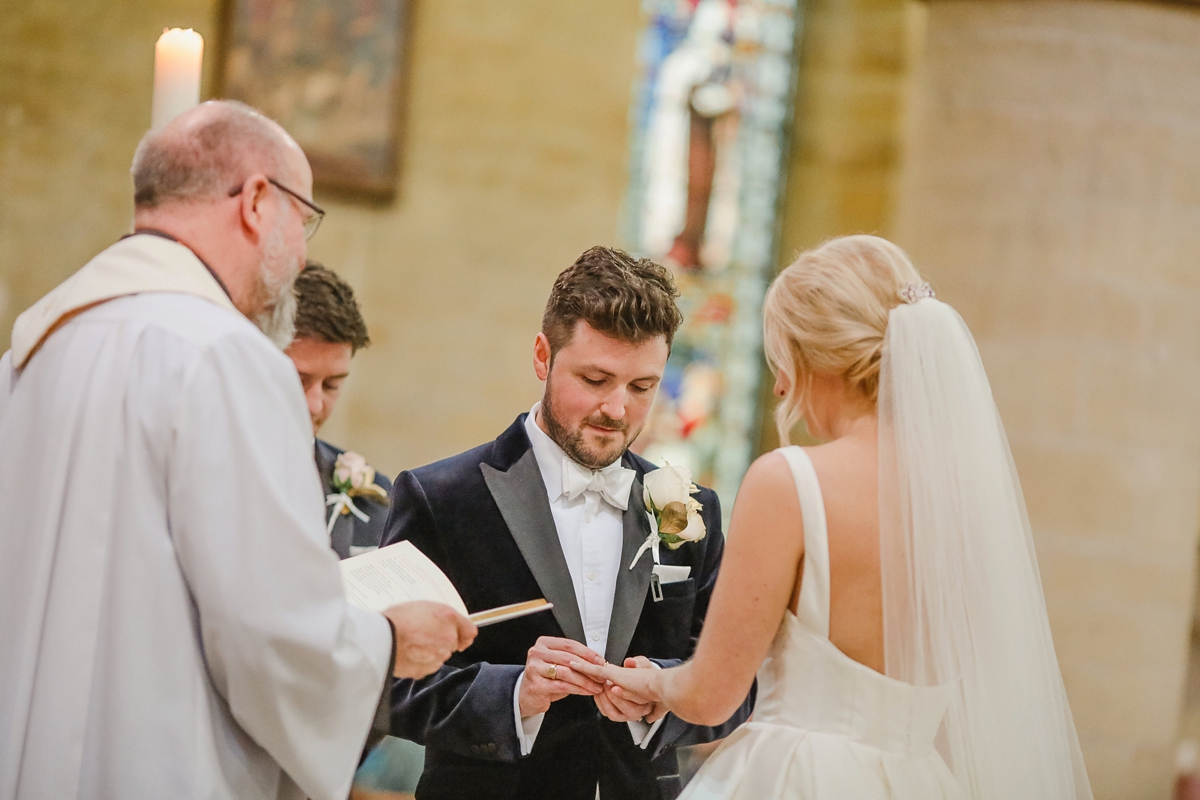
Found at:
(612, 483)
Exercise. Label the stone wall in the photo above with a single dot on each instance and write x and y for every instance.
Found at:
(1052, 193)
(74, 100)
(854, 61)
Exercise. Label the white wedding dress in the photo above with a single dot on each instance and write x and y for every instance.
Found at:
(826, 727)
(971, 703)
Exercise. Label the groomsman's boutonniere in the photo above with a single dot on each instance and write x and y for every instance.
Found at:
(667, 492)
(352, 477)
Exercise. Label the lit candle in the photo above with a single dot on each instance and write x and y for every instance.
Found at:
(177, 59)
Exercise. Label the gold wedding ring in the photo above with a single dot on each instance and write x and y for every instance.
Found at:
(552, 673)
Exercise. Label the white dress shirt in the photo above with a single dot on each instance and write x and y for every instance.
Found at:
(592, 548)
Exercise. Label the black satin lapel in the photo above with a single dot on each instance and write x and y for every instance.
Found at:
(521, 497)
(632, 584)
(342, 535)
(326, 457)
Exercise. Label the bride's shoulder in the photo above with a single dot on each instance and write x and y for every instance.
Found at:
(774, 462)
(767, 502)
(770, 474)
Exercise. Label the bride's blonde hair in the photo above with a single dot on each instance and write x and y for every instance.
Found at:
(827, 313)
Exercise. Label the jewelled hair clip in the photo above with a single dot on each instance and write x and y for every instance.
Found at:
(912, 292)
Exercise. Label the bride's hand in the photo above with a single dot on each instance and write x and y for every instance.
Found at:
(657, 708)
(637, 683)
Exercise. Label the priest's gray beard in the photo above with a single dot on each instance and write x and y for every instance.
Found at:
(277, 273)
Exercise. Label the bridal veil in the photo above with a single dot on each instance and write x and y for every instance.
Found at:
(963, 603)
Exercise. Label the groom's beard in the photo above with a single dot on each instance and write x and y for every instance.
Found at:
(275, 285)
(572, 441)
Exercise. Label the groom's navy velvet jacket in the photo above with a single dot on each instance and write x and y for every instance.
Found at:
(484, 518)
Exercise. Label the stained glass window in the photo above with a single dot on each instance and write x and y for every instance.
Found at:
(711, 118)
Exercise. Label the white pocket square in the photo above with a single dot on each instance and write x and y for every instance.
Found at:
(670, 574)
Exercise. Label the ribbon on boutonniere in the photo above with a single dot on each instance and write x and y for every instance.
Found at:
(352, 477)
(674, 513)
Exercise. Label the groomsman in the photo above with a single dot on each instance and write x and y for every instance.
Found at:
(554, 508)
(329, 331)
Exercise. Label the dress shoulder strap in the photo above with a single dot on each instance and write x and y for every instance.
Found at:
(813, 607)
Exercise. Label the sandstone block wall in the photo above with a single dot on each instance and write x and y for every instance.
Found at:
(74, 101)
(1052, 193)
(854, 60)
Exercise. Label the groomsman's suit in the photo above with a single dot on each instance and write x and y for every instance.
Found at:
(350, 535)
(485, 517)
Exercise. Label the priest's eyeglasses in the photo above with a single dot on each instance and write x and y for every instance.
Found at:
(311, 221)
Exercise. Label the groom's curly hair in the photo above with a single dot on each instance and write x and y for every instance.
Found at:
(627, 298)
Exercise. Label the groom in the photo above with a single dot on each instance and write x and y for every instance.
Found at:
(553, 508)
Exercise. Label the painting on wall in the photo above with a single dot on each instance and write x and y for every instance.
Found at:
(330, 72)
(711, 121)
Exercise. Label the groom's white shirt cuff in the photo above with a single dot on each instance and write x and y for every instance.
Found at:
(642, 732)
(528, 727)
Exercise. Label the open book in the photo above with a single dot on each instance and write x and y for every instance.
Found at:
(400, 573)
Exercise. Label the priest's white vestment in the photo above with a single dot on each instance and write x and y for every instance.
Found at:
(172, 621)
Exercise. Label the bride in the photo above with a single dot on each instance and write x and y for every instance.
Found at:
(883, 586)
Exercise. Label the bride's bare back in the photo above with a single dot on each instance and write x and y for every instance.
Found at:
(848, 470)
(760, 573)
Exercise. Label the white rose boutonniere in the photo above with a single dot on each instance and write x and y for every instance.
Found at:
(352, 477)
(667, 493)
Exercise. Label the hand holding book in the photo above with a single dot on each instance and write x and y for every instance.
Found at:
(401, 573)
(426, 633)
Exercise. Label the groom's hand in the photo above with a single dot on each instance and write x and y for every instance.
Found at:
(539, 689)
(622, 705)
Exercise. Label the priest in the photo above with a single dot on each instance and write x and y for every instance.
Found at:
(172, 622)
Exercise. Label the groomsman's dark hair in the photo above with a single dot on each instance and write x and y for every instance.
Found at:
(326, 308)
(627, 298)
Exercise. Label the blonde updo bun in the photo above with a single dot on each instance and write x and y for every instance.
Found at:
(828, 312)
